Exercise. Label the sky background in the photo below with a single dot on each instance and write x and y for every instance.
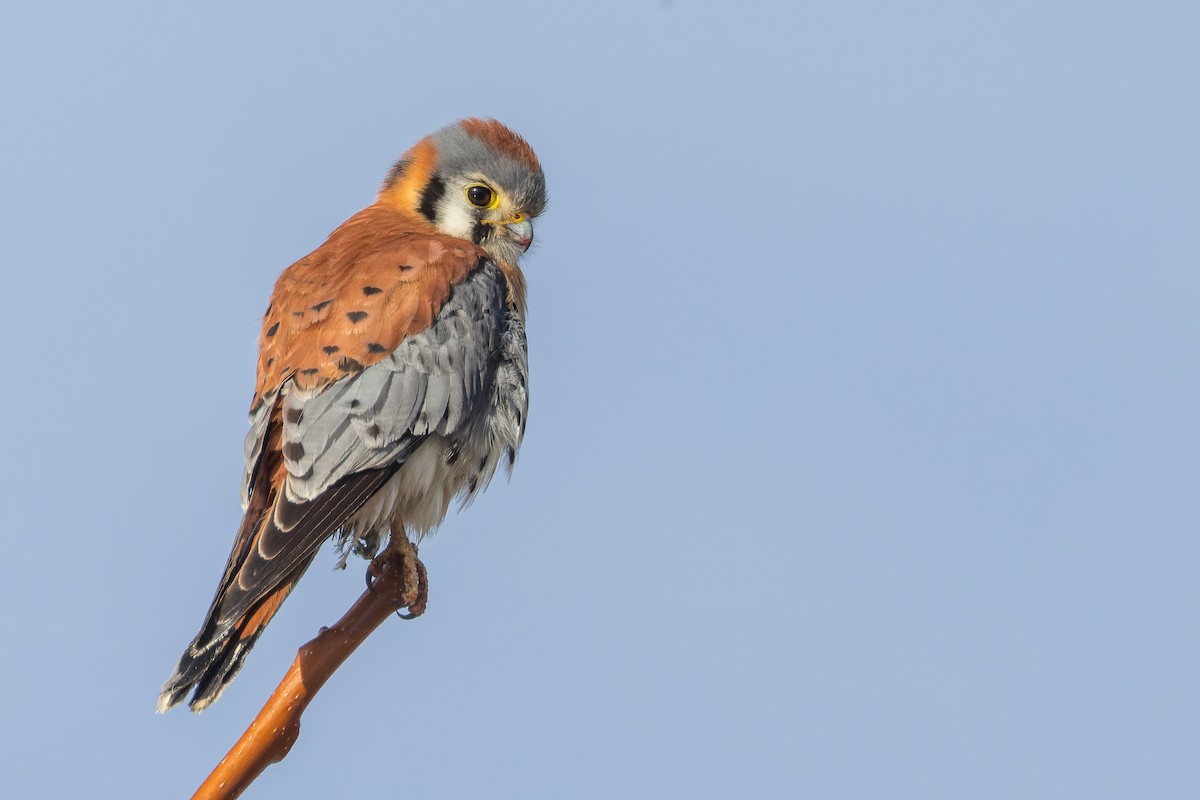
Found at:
(863, 452)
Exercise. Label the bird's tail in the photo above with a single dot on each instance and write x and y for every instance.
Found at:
(214, 657)
(275, 544)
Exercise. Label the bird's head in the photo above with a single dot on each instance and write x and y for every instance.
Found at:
(474, 180)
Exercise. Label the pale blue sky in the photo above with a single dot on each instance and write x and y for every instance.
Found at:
(863, 453)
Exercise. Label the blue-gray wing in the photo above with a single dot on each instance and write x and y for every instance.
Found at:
(437, 381)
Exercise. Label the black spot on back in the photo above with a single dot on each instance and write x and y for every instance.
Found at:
(271, 330)
(376, 347)
(321, 305)
(348, 364)
(370, 290)
(330, 349)
(356, 316)
(293, 451)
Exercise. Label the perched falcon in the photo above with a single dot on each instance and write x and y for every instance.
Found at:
(391, 379)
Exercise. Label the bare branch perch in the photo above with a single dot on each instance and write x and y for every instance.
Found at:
(399, 581)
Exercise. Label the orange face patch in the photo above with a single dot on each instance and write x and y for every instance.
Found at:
(403, 191)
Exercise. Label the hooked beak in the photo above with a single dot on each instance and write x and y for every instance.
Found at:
(520, 232)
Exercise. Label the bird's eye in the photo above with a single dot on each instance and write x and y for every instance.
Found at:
(480, 196)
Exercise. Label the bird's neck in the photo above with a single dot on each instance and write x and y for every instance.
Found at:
(516, 286)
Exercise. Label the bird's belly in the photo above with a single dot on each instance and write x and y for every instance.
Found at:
(417, 496)
(416, 499)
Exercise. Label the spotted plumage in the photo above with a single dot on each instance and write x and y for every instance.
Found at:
(392, 378)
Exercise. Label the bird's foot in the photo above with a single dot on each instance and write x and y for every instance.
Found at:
(421, 597)
(407, 581)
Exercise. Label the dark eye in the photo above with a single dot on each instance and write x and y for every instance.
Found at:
(479, 196)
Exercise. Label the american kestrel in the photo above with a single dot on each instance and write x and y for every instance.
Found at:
(392, 376)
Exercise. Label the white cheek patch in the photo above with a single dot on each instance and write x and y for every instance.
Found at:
(454, 218)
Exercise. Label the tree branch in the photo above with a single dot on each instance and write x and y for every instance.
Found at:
(399, 580)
